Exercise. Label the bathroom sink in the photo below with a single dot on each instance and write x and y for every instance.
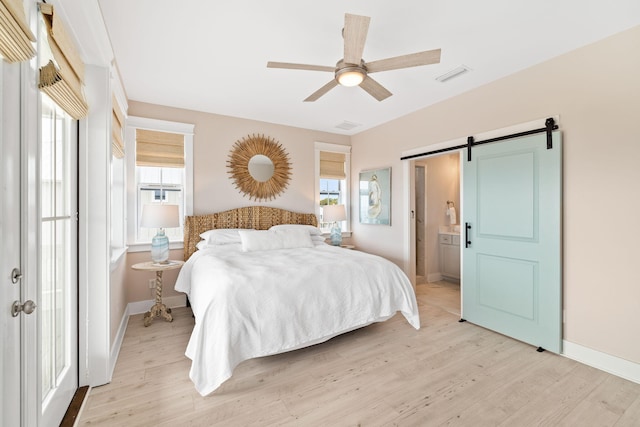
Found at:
(449, 229)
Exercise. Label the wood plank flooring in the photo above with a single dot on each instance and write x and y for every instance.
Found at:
(386, 374)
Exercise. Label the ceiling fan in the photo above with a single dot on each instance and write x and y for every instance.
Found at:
(352, 70)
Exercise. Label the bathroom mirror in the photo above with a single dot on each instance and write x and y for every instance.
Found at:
(259, 167)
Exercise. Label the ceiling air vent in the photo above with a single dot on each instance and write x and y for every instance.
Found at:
(347, 125)
(453, 73)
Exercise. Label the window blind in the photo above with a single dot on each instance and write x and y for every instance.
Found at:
(332, 165)
(62, 77)
(15, 36)
(159, 149)
(117, 145)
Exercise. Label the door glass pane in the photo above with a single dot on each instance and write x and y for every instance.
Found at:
(62, 160)
(57, 283)
(62, 293)
(47, 162)
(46, 302)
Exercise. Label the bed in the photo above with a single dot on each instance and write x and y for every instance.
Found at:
(250, 299)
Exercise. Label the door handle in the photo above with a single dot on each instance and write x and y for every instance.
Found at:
(28, 307)
(467, 227)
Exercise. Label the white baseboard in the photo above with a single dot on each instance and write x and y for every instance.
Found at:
(117, 343)
(139, 307)
(605, 362)
(434, 277)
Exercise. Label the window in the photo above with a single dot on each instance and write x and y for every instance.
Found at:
(160, 185)
(117, 182)
(159, 170)
(118, 213)
(332, 180)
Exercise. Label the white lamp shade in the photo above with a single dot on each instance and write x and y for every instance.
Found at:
(331, 213)
(160, 216)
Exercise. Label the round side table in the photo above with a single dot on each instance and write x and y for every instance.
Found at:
(158, 309)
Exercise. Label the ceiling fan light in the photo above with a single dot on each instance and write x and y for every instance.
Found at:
(350, 78)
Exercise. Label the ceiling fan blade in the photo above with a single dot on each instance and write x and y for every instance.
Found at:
(375, 89)
(324, 89)
(354, 34)
(404, 61)
(290, 66)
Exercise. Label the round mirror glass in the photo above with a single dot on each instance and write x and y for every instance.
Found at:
(261, 168)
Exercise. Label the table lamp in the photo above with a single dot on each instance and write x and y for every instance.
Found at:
(160, 216)
(334, 214)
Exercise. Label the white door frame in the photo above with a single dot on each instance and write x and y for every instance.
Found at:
(20, 126)
(10, 219)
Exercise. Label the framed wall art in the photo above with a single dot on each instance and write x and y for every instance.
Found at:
(375, 196)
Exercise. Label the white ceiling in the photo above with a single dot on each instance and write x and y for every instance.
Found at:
(211, 56)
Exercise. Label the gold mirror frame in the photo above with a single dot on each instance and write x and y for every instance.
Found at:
(238, 164)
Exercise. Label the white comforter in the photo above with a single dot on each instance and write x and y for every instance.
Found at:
(252, 304)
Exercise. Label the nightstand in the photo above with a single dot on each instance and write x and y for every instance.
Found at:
(158, 309)
(348, 246)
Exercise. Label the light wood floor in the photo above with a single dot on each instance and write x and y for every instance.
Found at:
(386, 374)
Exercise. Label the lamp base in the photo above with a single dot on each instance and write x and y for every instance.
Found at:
(160, 248)
(336, 235)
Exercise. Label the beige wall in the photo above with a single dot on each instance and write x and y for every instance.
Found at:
(595, 91)
(213, 139)
(213, 190)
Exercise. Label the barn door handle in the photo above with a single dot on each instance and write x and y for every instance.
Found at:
(467, 227)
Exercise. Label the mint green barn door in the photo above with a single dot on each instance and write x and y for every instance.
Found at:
(512, 263)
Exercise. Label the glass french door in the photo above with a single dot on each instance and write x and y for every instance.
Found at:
(58, 262)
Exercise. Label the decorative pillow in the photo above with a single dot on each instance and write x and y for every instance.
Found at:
(267, 240)
(222, 236)
(314, 231)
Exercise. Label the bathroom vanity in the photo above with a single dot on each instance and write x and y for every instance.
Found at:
(449, 255)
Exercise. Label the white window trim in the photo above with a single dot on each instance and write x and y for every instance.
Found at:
(187, 130)
(117, 253)
(336, 148)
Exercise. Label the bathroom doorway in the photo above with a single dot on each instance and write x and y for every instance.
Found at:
(437, 221)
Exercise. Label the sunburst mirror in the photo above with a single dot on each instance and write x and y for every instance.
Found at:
(259, 167)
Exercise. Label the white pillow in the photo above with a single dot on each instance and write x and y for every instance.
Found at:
(294, 238)
(254, 240)
(314, 231)
(267, 240)
(229, 247)
(318, 239)
(221, 236)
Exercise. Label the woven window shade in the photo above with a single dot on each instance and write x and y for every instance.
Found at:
(159, 149)
(117, 145)
(332, 165)
(15, 36)
(62, 77)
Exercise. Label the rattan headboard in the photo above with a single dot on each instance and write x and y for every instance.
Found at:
(257, 217)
